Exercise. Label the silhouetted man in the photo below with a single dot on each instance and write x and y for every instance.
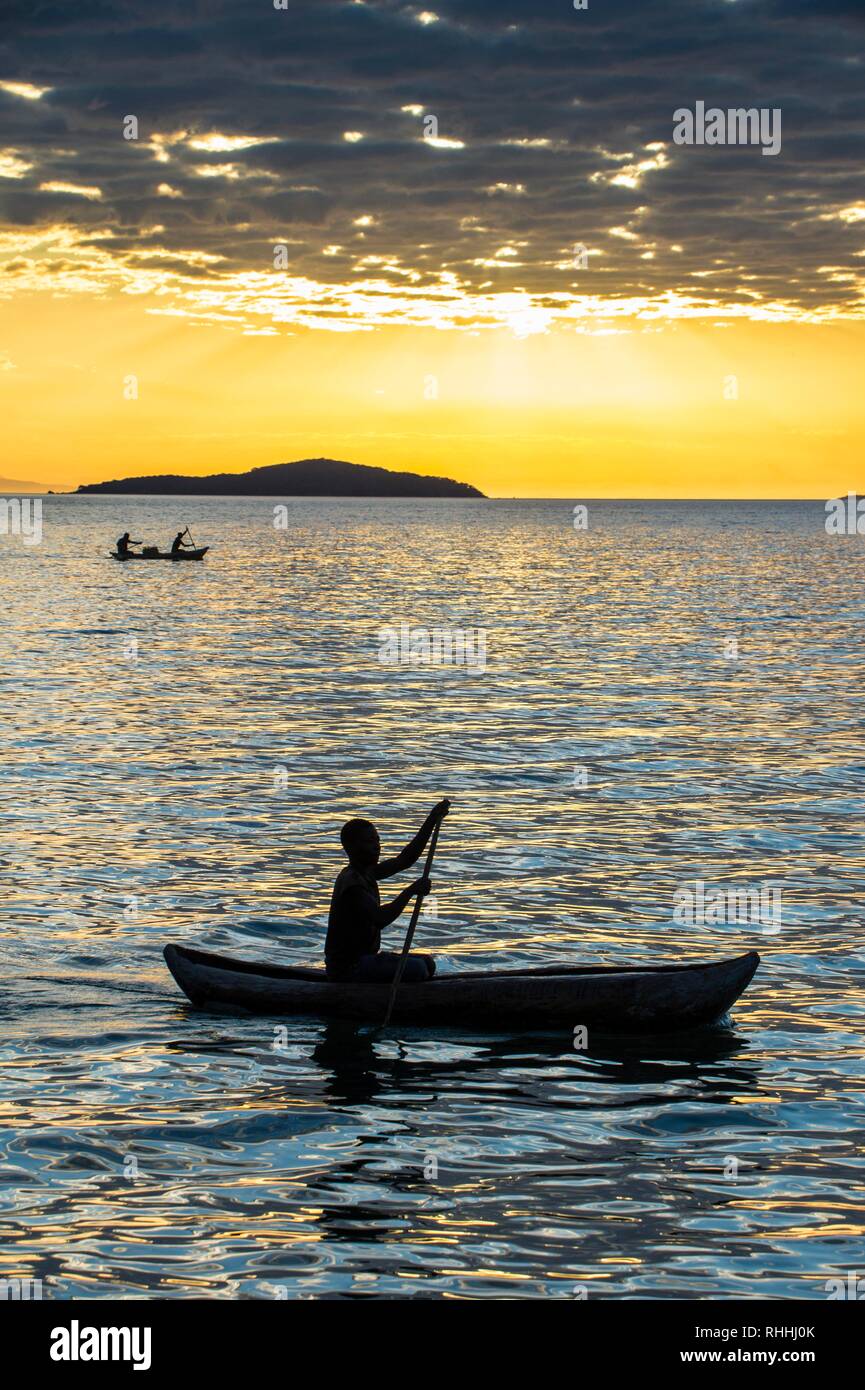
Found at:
(352, 949)
(179, 543)
(124, 543)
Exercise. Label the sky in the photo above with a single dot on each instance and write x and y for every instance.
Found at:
(460, 240)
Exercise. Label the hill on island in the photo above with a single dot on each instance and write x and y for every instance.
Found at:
(15, 485)
(306, 478)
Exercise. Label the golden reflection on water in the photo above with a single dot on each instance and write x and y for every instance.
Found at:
(140, 803)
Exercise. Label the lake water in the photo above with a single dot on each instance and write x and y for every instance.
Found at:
(180, 747)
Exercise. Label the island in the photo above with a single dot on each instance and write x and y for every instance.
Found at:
(305, 478)
(16, 486)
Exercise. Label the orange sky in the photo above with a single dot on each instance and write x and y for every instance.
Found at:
(647, 410)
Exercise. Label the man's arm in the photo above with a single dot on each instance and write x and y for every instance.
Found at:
(363, 908)
(386, 868)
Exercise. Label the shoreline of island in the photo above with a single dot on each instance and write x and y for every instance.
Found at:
(302, 478)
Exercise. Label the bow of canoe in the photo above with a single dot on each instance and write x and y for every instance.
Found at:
(608, 999)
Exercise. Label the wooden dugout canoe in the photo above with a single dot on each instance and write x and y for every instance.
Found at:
(197, 554)
(608, 999)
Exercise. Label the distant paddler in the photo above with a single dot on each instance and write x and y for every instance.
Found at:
(180, 544)
(124, 543)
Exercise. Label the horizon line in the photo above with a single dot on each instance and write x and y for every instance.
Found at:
(495, 497)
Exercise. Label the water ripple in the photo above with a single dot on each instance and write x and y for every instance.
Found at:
(181, 745)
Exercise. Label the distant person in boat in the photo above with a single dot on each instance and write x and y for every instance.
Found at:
(352, 950)
(124, 543)
(179, 543)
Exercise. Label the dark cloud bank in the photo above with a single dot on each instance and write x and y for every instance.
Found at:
(561, 122)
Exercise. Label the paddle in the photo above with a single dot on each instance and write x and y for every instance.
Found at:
(192, 538)
(411, 926)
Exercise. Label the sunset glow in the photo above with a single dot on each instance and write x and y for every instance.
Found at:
(557, 301)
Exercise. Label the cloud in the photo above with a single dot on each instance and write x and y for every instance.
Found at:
(226, 144)
(259, 126)
(75, 190)
(12, 166)
(25, 90)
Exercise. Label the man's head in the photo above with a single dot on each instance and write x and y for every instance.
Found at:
(360, 842)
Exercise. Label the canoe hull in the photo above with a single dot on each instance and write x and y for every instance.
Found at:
(198, 554)
(605, 999)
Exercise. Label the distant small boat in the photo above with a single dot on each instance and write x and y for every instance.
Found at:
(607, 998)
(153, 554)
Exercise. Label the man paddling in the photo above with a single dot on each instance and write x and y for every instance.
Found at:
(352, 950)
(124, 543)
(179, 543)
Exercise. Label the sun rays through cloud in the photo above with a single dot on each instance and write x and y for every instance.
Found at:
(495, 174)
